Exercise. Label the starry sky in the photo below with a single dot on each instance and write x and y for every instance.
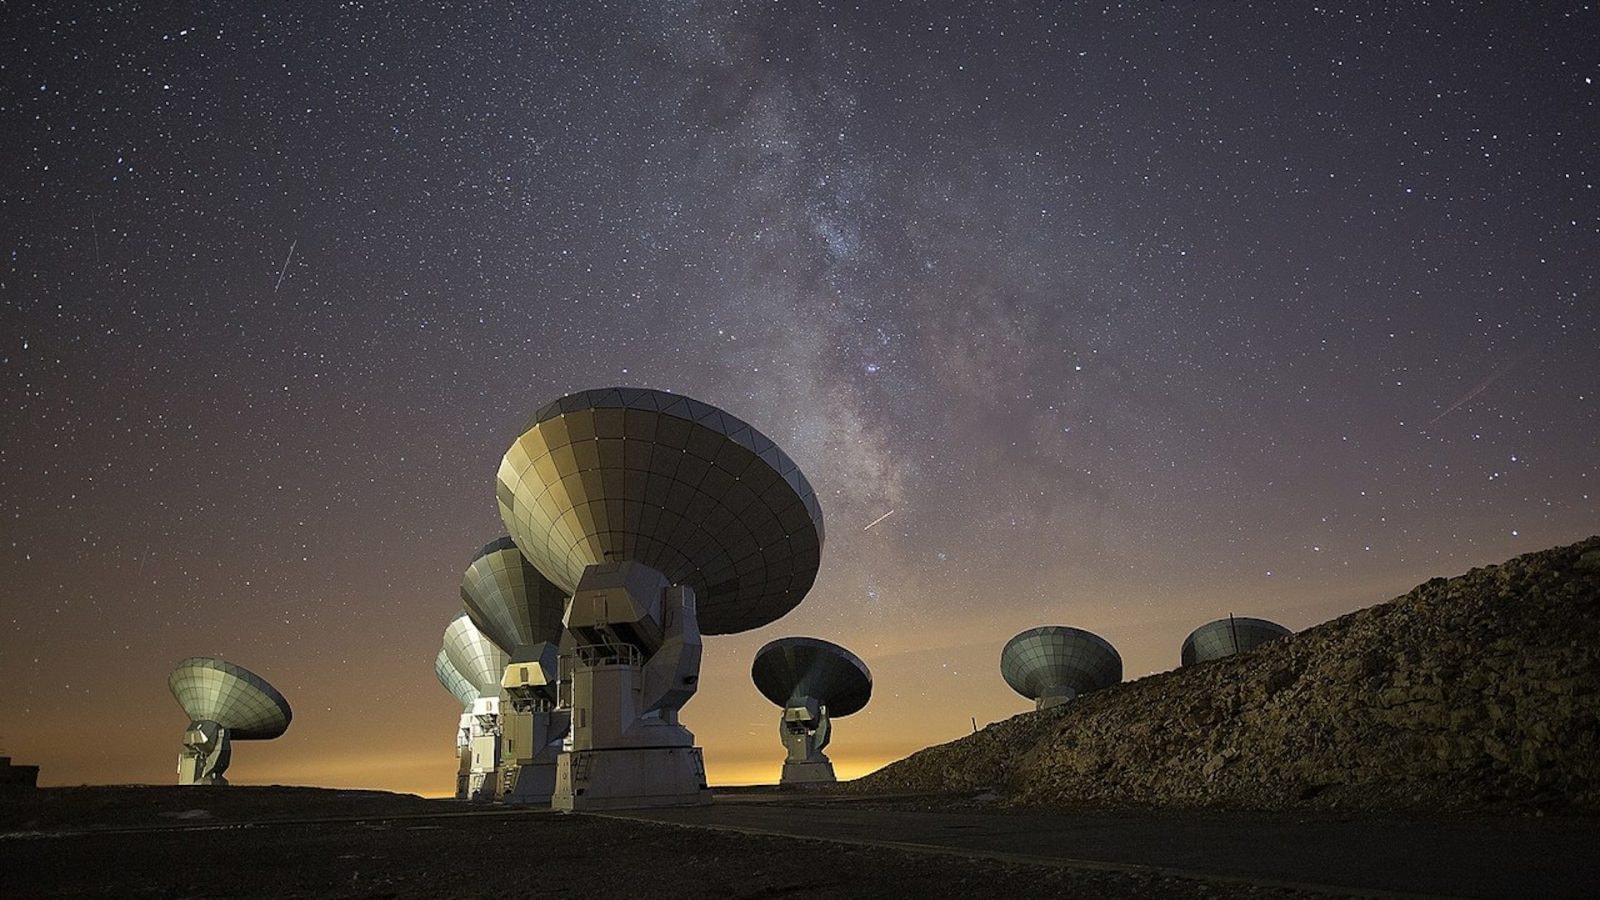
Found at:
(1127, 316)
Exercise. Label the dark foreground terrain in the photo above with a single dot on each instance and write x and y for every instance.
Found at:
(303, 842)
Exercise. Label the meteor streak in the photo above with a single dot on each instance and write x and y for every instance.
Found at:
(286, 260)
(879, 519)
(1481, 386)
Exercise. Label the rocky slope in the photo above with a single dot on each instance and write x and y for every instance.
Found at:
(1476, 691)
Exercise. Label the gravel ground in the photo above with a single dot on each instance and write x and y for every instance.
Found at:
(225, 843)
(156, 806)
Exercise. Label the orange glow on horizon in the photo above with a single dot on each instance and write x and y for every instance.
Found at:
(428, 776)
(389, 726)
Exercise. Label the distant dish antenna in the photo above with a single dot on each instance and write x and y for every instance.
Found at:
(465, 694)
(519, 609)
(1226, 637)
(481, 662)
(224, 703)
(663, 516)
(477, 658)
(453, 681)
(814, 681)
(1053, 664)
(508, 600)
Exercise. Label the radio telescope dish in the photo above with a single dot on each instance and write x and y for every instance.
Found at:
(519, 609)
(1053, 664)
(666, 519)
(789, 670)
(466, 694)
(510, 602)
(453, 681)
(224, 702)
(1225, 637)
(479, 660)
(814, 681)
(678, 485)
(211, 690)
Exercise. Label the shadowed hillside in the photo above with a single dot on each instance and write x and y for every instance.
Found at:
(1474, 691)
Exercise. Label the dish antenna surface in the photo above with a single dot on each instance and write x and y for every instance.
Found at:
(814, 681)
(1226, 637)
(520, 610)
(453, 681)
(510, 602)
(481, 662)
(224, 703)
(664, 517)
(697, 494)
(1052, 664)
(475, 657)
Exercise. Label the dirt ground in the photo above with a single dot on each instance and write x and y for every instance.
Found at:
(155, 806)
(305, 842)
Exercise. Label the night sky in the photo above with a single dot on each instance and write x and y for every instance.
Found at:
(1126, 317)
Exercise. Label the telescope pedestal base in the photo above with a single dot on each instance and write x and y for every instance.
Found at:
(529, 784)
(630, 778)
(193, 769)
(808, 772)
(483, 786)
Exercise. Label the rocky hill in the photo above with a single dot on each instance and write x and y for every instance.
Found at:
(1476, 691)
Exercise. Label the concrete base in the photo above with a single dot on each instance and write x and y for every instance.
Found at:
(808, 772)
(639, 778)
(530, 784)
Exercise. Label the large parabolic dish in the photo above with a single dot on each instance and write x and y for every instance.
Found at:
(814, 681)
(789, 670)
(678, 485)
(451, 680)
(224, 702)
(664, 518)
(510, 601)
(1055, 663)
(479, 660)
(211, 690)
(1225, 637)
